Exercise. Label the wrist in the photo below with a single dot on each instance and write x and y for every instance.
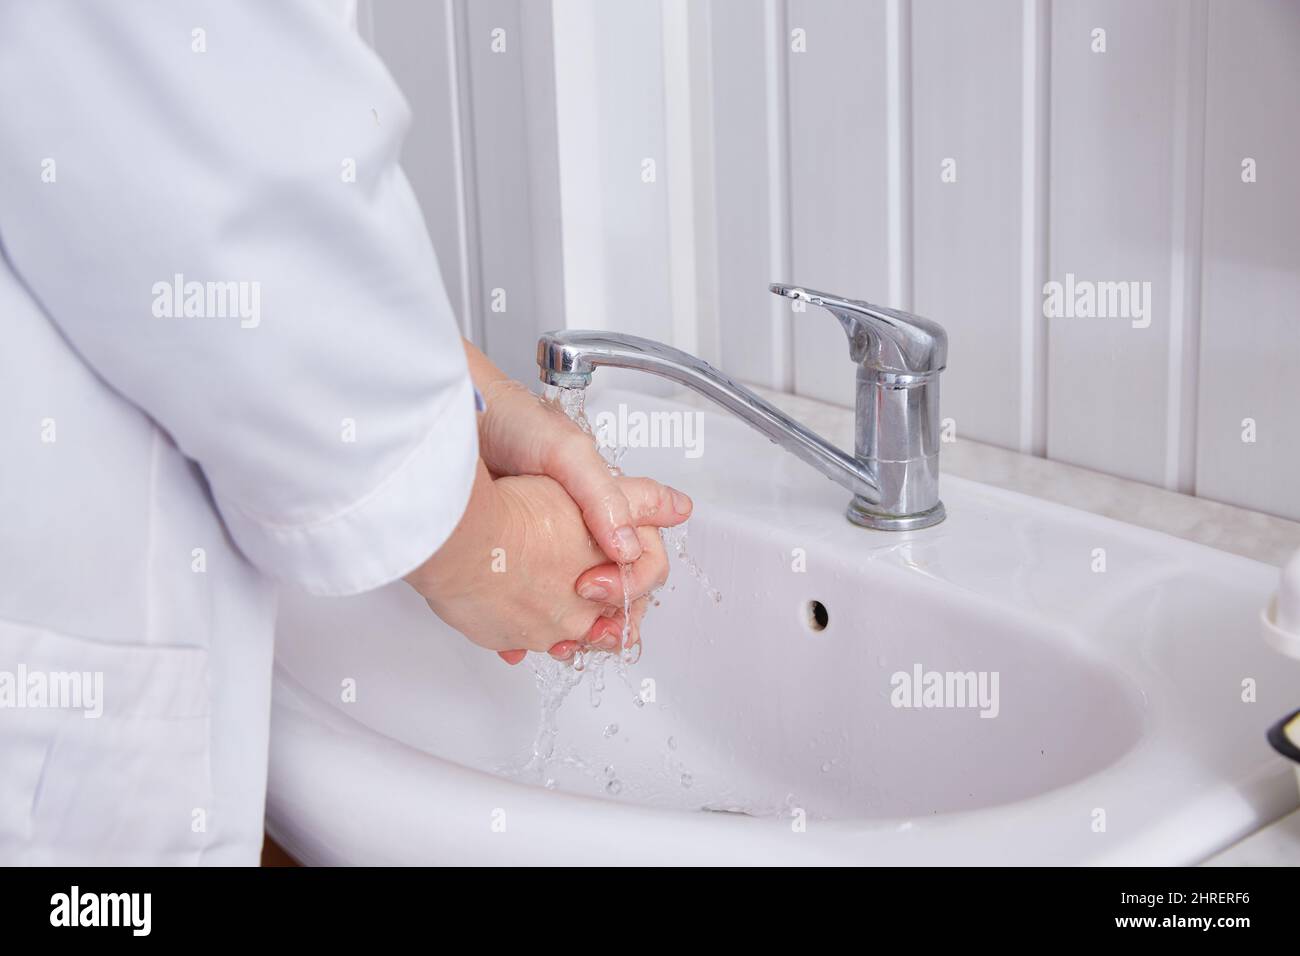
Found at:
(509, 427)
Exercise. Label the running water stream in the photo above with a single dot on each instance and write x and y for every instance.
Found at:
(555, 680)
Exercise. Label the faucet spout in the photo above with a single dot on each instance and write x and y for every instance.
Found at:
(893, 472)
(568, 359)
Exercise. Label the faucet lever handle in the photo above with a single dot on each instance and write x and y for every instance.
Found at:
(887, 340)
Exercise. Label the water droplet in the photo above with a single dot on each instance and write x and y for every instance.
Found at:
(687, 780)
(579, 661)
(550, 783)
(613, 787)
(638, 701)
(611, 730)
(610, 772)
(826, 767)
(672, 743)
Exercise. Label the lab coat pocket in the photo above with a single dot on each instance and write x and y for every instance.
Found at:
(105, 753)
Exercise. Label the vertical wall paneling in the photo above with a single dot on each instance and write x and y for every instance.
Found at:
(776, 37)
(839, 176)
(1250, 332)
(1186, 162)
(614, 170)
(1035, 113)
(1110, 221)
(687, 122)
(746, 129)
(503, 101)
(967, 173)
(543, 160)
(431, 156)
(582, 223)
(465, 170)
(898, 142)
(804, 140)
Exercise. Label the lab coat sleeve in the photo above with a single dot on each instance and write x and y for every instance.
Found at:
(245, 155)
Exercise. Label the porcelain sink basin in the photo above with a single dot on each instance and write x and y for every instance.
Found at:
(1021, 683)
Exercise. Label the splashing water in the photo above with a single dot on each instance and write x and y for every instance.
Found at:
(572, 402)
(555, 680)
(675, 539)
(671, 784)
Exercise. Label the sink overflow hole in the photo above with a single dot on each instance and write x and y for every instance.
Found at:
(818, 618)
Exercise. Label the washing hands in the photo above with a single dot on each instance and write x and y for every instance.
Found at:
(552, 545)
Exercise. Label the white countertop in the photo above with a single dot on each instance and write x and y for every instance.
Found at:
(1251, 534)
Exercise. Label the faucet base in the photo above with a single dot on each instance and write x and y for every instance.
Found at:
(860, 513)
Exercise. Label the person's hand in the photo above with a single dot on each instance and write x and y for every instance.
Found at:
(625, 588)
(521, 435)
(506, 577)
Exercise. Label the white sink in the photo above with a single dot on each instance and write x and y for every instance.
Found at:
(1120, 733)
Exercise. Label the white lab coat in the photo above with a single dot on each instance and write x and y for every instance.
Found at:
(160, 470)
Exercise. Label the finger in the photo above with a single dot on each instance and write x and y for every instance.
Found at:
(607, 633)
(611, 633)
(596, 636)
(605, 583)
(512, 657)
(578, 467)
(654, 504)
(564, 650)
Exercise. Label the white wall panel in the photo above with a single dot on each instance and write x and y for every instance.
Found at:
(609, 67)
(822, 167)
(839, 178)
(967, 121)
(1113, 145)
(614, 170)
(536, 21)
(418, 47)
(512, 142)
(481, 158)
(1250, 336)
(750, 188)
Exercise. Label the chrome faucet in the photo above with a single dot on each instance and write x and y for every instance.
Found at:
(894, 475)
